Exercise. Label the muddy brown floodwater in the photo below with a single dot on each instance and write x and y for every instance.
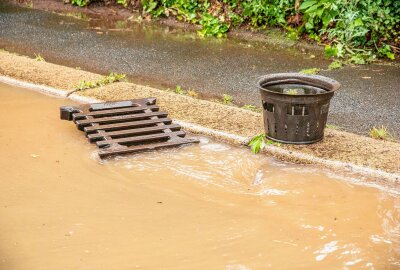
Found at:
(206, 206)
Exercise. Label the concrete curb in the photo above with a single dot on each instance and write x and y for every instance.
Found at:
(35, 87)
(382, 178)
(83, 99)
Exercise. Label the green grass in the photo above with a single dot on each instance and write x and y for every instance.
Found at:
(179, 90)
(83, 85)
(39, 58)
(251, 108)
(335, 65)
(227, 99)
(310, 71)
(380, 133)
(329, 126)
(110, 78)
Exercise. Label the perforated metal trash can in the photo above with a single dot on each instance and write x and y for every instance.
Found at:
(295, 106)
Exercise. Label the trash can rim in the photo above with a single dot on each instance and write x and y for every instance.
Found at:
(328, 84)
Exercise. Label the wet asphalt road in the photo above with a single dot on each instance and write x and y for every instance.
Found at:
(164, 57)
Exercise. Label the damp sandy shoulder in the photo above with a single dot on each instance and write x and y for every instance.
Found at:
(206, 206)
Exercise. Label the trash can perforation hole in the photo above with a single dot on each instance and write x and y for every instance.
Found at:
(297, 109)
(269, 107)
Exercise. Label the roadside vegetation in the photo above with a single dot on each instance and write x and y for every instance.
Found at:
(251, 108)
(358, 31)
(310, 71)
(179, 90)
(189, 92)
(110, 78)
(39, 58)
(227, 99)
(330, 126)
(380, 133)
(259, 142)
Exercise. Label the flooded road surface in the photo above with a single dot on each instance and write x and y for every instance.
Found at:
(164, 57)
(206, 206)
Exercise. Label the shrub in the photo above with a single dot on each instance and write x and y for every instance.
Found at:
(81, 3)
(349, 27)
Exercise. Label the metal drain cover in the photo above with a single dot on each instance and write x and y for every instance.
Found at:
(125, 127)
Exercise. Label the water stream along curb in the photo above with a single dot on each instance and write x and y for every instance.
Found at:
(382, 177)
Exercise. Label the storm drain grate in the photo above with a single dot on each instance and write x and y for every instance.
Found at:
(125, 127)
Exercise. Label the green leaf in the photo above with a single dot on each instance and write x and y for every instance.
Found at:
(307, 4)
(358, 22)
(335, 65)
(257, 143)
(326, 19)
(312, 8)
(319, 12)
(330, 51)
(309, 25)
(390, 55)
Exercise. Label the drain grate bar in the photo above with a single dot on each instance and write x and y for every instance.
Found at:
(142, 138)
(111, 112)
(116, 119)
(141, 148)
(127, 126)
(136, 131)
